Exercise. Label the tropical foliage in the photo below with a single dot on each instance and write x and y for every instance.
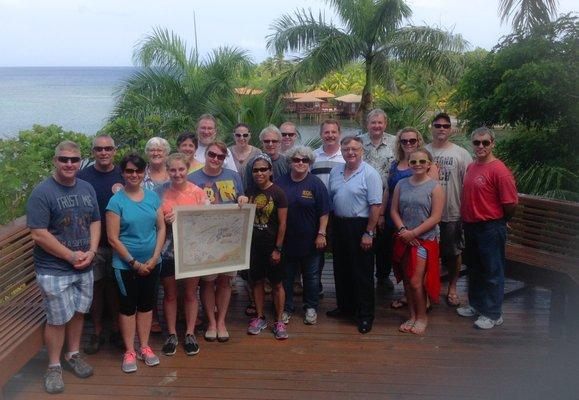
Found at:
(370, 31)
(527, 14)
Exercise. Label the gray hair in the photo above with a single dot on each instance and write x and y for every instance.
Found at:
(303, 151)
(207, 116)
(103, 136)
(376, 112)
(66, 145)
(481, 131)
(158, 142)
(269, 128)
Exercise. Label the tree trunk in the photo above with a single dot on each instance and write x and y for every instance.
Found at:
(366, 101)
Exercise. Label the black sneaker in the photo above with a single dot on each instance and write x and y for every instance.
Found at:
(191, 347)
(170, 346)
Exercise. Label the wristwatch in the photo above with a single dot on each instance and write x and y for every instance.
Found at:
(279, 248)
(370, 234)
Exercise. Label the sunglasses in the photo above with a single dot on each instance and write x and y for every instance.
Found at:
(438, 126)
(241, 134)
(272, 141)
(350, 149)
(64, 159)
(220, 157)
(421, 161)
(98, 149)
(261, 169)
(131, 171)
(304, 160)
(408, 141)
(290, 134)
(485, 143)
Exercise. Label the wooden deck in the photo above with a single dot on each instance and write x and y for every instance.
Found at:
(331, 360)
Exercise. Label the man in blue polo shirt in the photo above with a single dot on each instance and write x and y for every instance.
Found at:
(355, 190)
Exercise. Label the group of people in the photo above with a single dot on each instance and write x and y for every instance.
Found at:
(377, 201)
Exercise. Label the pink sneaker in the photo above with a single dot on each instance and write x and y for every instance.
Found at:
(129, 362)
(147, 355)
(279, 331)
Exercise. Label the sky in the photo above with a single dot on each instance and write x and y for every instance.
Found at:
(105, 32)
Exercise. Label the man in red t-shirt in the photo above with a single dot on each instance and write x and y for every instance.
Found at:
(489, 198)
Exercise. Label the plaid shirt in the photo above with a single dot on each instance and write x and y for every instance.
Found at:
(380, 157)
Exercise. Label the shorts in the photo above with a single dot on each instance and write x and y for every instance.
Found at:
(136, 292)
(261, 267)
(102, 265)
(167, 269)
(451, 239)
(422, 252)
(65, 295)
(212, 277)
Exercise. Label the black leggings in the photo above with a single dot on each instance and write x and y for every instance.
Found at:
(136, 292)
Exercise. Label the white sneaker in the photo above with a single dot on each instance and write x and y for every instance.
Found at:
(467, 311)
(483, 322)
(285, 317)
(311, 316)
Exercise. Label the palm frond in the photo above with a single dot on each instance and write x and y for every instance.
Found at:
(163, 49)
(527, 13)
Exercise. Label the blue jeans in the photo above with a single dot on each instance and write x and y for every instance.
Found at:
(309, 267)
(485, 259)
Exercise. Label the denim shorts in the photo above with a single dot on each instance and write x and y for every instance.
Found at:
(65, 294)
(422, 252)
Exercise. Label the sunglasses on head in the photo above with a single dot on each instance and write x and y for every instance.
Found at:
(421, 161)
(290, 134)
(304, 160)
(131, 171)
(64, 159)
(241, 134)
(260, 169)
(408, 141)
(98, 149)
(485, 143)
(270, 141)
(220, 157)
(438, 126)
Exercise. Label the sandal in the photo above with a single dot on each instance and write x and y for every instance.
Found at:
(418, 328)
(399, 303)
(406, 327)
(452, 300)
(250, 310)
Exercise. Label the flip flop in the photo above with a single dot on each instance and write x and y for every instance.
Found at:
(418, 328)
(399, 303)
(452, 300)
(406, 327)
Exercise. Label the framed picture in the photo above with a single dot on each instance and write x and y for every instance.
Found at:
(212, 239)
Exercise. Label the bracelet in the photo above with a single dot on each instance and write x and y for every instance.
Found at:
(73, 258)
(279, 249)
(401, 229)
(322, 234)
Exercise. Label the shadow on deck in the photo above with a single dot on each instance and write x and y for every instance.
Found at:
(331, 360)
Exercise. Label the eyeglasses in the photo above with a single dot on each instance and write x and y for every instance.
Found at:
(270, 141)
(261, 169)
(350, 149)
(290, 134)
(438, 126)
(131, 171)
(421, 161)
(65, 160)
(304, 160)
(220, 157)
(408, 141)
(98, 149)
(241, 134)
(485, 143)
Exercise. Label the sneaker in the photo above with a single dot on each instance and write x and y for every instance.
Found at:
(467, 311)
(147, 355)
(256, 325)
(78, 366)
(311, 316)
(170, 346)
(279, 331)
(53, 382)
(94, 344)
(483, 322)
(191, 346)
(129, 362)
(285, 317)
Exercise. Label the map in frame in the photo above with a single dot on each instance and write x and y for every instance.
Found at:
(212, 239)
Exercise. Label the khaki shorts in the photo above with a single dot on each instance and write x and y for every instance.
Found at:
(451, 239)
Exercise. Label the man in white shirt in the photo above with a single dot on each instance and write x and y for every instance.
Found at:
(206, 134)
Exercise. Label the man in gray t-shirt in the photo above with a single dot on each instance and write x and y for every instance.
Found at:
(451, 161)
(64, 221)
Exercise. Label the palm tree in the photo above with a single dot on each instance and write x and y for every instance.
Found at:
(174, 84)
(372, 32)
(527, 13)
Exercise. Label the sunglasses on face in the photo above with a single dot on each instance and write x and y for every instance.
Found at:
(241, 135)
(98, 149)
(421, 161)
(350, 149)
(261, 169)
(270, 141)
(408, 141)
(290, 134)
(297, 160)
(485, 143)
(438, 126)
(131, 171)
(65, 160)
(220, 157)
